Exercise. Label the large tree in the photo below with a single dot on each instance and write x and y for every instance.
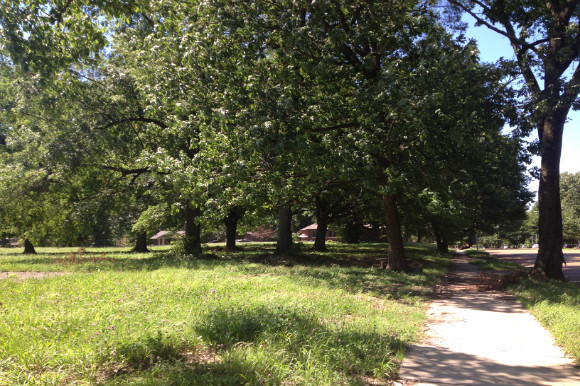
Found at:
(545, 37)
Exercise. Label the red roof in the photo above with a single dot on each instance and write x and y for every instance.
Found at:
(309, 227)
(165, 234)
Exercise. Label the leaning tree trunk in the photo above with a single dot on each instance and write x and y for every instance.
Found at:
(29, 248)
(397, 258)
(284, 242)
(550, 257)
(231, 221)
(322, 225)
(192, 237)
(141, 243)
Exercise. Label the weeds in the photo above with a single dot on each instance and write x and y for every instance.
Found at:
(80, 257)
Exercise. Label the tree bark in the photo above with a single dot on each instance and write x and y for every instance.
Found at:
(141, 243)
(192, 238)
(322, 228)
(99, 237)
(550, 257)
(284, 242)
(352, 231)
(29, 248)
(320, 240)
(442, 246)
(100, 228)
(397, 258)
(231, 221)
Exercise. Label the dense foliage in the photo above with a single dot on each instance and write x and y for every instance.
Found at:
(202, 114)
(545, 37)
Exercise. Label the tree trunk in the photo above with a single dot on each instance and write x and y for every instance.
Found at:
(442, 245)
(231, 221)
(141, 243)
(29, 248)
(397, 258)
(322, 228)
(99, 237)
(550, 257)
(284, 242)
(320, 241)
(192, 237)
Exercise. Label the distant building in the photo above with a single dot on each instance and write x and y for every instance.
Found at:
(10, 243)
(309, 233)
(165, 237)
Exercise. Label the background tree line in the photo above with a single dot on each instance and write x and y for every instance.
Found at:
(152, 114)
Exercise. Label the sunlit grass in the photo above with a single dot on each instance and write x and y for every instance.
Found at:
(227, 319)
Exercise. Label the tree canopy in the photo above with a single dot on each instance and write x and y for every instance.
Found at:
(212, 111)
(545, 37)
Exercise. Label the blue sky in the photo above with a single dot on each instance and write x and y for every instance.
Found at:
(492, 46)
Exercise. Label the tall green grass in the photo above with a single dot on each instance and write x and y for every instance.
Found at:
(227, 319)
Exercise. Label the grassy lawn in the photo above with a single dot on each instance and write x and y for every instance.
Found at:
(228, 319)
(555, 304)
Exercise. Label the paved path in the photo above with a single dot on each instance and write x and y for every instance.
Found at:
(483, 339)
(527, 258)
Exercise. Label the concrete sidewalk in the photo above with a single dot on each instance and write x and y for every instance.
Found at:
(483, 338)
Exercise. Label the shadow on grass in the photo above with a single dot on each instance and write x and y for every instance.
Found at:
(535, 289)
(487, 262)
(264, 346)
(344, 255)
(357, 266)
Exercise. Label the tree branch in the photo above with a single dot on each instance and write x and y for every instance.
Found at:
(520, 47)
(335, 127)
(465, 8)
(125, 172)
(61, 13)
(571, 90)
(137, 119)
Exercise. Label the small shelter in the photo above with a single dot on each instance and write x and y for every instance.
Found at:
(165, 237)
(309, 233)
(10, 242)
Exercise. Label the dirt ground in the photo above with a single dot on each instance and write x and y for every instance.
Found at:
(527, 257)
(30, 275)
